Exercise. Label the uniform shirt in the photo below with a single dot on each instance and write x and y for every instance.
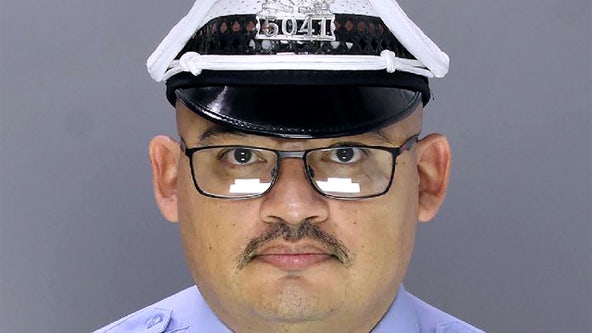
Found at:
(187, 312)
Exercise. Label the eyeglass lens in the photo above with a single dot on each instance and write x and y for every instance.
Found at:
(345, 172)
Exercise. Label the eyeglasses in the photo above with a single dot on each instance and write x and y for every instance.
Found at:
(340, 172)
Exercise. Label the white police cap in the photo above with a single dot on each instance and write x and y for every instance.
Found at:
(298, 68)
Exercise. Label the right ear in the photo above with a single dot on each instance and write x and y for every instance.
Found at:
(164, 158)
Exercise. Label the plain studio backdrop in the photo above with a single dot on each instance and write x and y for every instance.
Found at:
(82, 242)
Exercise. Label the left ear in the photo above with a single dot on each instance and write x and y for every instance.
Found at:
(433, 168)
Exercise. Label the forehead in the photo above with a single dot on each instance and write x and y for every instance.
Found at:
(196, 130)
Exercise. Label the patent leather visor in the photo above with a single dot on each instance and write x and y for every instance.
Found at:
(301, 111)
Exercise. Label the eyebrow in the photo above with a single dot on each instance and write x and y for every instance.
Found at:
(220, 131)
(217, 131)
(381, 135)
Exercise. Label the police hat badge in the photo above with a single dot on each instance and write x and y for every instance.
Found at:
(298, 68)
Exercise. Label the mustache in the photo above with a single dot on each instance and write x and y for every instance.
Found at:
(291, 232)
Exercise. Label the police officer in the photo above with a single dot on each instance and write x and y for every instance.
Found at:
(300, 172)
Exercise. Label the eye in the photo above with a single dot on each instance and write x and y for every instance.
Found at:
(346, 154)
(240, 156)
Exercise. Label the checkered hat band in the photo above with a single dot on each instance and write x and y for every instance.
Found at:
(236, 35)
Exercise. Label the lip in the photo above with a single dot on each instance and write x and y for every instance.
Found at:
(293, 257)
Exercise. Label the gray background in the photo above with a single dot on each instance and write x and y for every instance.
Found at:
(82, 243)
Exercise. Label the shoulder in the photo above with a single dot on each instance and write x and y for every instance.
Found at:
(434, 320)
(181, 312)
(150, 319)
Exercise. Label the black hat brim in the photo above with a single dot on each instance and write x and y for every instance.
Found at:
(301, 111)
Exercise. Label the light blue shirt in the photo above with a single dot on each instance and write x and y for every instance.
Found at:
(187, 312)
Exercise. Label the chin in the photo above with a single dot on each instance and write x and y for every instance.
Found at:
(293, 296)
(293, 300)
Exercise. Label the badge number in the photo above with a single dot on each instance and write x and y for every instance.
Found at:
(309, 28)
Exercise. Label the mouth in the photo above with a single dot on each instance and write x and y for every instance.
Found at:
(291, 257)
(294, 247)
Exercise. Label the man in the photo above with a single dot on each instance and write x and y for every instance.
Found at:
(299, 174)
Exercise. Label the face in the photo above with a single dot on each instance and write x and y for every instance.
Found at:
(294, 260)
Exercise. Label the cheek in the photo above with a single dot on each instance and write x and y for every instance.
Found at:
(381, 231)
(213, 230)
(373, 229)
(377, 222)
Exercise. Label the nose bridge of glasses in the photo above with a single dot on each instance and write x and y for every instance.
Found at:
(298, 154)
(291, 154)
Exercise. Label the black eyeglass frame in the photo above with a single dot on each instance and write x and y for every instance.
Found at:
(301, 154)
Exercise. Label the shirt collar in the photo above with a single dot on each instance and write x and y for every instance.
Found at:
(400, 317)
(203, 317)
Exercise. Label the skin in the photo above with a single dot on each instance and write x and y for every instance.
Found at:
(328, 296)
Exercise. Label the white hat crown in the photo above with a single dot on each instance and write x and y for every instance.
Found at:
(429, 60)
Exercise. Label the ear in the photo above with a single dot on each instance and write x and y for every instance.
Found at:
(164, 158)
(433, 168)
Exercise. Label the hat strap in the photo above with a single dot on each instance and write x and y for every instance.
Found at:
(194, 62)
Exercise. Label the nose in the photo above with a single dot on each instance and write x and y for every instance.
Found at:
(292, 198)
